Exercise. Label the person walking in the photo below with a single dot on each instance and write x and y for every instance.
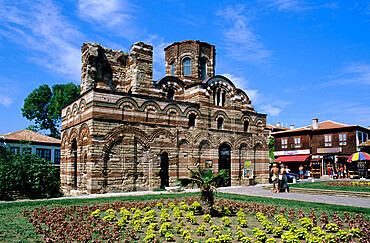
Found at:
(274, 178)
(284, 179)
(301, 176)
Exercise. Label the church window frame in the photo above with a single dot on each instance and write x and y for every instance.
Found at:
(187, 66)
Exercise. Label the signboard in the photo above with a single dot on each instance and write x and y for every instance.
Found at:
(209, 163)
(248, 174)
(328, 150)
(247, 164)
(292, 152)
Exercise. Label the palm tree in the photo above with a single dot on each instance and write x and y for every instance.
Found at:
(207, 182)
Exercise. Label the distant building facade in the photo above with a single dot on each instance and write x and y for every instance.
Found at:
(318, 145)
(33, 143)
(127, 132)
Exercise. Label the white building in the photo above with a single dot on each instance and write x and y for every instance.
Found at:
(32, 143)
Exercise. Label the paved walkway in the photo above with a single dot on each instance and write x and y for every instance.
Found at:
(257, 190)
(260, 192)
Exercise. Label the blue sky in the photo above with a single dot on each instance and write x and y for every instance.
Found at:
(297, 60)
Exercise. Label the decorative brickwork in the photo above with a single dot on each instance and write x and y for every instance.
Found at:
(127, 132)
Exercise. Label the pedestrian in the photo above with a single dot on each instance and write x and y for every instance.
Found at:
(329, 171)
(283, 179)
(345, 171)
(301, 176)
(274, 178)
(341, 172)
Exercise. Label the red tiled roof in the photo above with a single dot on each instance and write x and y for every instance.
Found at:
(29, 136)
(269, 126)
(322, 126)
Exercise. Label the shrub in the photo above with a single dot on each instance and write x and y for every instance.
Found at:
(27, 175)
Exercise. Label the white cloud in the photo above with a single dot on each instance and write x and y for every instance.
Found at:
(158, 44)
(41, 28)
(241, 41)
(109, 13)
(287, 5)
(355, 73)
(5, 100)
(296, 5)
(242, 83)
(270, 110)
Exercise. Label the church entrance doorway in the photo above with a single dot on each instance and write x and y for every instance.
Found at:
(163, 173)
(224, 160)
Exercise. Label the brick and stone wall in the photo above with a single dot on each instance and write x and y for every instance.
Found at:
(118, 135)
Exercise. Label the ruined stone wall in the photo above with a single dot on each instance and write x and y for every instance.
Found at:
(116, 70)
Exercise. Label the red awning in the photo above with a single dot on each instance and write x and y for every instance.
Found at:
(291, 158)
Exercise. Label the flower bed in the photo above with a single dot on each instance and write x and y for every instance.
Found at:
(348, 183)
(182, 220)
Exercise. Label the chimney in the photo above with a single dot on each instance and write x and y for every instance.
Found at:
(278, 124)
(315, 123)
(291, 127)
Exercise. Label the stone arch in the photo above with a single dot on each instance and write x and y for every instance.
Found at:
(117, 133)
(151, 105)
(160, 131)
(73, 135)
(127, 101)
(68, 112)
(124, 160)
(260, 141)
(84, 133)
(222, 114)
(184, 135)
(82, 105)
(204, 152)
(74, 109)
(192, 110)
(203, 136)
(171, 107)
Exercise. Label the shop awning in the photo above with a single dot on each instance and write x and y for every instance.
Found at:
(292, 158)
(316, 159)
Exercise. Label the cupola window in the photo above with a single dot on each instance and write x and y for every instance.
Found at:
(187, 67)
(173, 68)
(203, 68)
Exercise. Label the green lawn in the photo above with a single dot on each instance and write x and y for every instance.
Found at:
(16, 228)
(322, 185)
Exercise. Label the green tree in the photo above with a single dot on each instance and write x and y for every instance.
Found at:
(206, 181)
(271, 149)
(44, 106)
(28, 175)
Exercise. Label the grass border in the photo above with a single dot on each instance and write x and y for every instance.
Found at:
(320, 185)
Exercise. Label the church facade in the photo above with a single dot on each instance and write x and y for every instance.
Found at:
(127, 132)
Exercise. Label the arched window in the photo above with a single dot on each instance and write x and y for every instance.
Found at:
(172, 118)
(192, 120)
(220, 122)
(187, 67)
(173, 68)
(203, 68)
(170, 94)
(219, 97)
(150, 115)
(246, 125)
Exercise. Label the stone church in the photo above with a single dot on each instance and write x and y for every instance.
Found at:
(128, 132)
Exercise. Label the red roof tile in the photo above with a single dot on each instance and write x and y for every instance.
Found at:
(322, 126)
(29, 136)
